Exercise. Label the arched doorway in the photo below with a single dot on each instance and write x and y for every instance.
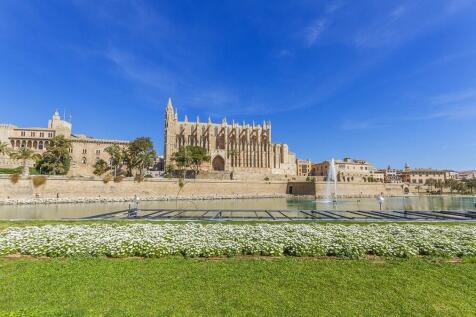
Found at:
(218, 163)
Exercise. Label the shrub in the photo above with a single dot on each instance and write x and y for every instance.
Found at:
(38, 180)
(266, 178)
(118, 179)
(107, 179)
(138, 178)
(16, 170)
(148, 176)
(14, 178)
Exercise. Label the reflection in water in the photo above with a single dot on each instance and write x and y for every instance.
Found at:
(60, 211)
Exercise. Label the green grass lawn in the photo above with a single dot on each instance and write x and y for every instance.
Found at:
(236, 286)
(18, 170)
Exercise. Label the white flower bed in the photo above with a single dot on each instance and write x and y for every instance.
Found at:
(196, 240)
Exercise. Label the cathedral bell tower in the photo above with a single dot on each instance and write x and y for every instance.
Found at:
(170, 120)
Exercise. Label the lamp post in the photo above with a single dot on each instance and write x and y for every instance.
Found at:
(380, 200)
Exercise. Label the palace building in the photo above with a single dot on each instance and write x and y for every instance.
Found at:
(245, 148)
(349, 170)
(85, 151)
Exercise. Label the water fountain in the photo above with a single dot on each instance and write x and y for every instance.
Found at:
(330, 195)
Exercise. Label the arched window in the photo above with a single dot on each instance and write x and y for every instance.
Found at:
(83, 160)
(23, 143)
(13, 143)
(29, 144)
(35, 144)
(40, 145)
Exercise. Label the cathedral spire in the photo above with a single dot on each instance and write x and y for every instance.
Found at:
(169, 104)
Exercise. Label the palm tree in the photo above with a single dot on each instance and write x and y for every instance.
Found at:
(25, 154)
(471, 184)
(430, 182)
(144, 160)
(451, 184)
(117, 156)
(4, 148)
(440, 184)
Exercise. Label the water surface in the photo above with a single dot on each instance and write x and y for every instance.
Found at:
(66, 211)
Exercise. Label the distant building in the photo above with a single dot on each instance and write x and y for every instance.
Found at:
(392, 175)
(465, 175)
(421, 175)
(85, 151)
(245, 148)
(303, 167)
(349, 170)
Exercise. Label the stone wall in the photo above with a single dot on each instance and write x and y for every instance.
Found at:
(345, 189)
(95, 187)
(68, 187)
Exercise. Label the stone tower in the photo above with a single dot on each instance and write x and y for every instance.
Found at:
(61, 127)
(169, 129)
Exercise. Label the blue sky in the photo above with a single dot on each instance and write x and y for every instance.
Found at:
(387, 81)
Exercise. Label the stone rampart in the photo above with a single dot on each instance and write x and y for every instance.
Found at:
(65, 187)
(93, 187)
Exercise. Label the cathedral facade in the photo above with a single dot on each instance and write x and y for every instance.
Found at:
(232, 147)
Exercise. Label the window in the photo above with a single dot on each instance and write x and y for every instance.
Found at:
(85, 151)
(23, 133)
(42, 134)
(50, 134)
(32, 134)
(83, 160)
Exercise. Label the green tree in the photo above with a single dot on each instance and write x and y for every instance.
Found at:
(4, 150)
(24, 154)
(452, 184)
(471, 184)
(139, 154)
(101, 167)
(144, 160)
(430, 182)
(198, 155)
(461, 187)
(57, 158)
(182, 159)
(169, 170)
(116, 156)
(440, 184)
(191, 156)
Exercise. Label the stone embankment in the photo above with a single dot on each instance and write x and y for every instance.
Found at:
(84, 200)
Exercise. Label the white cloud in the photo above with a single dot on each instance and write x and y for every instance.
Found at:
(315, 30)
(406, 22)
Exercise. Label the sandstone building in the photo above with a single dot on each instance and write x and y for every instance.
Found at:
(421, 175)
(303, 167)
(85, 151)
(349, 170)
(237, 148)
